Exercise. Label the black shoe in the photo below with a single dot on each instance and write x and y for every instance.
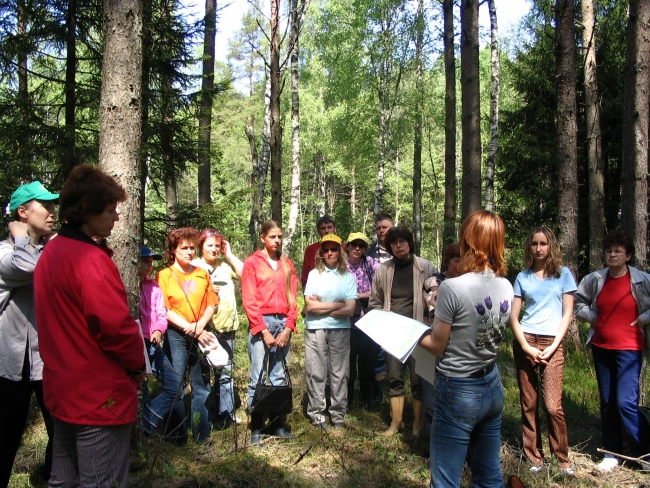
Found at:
(277, 427)
(257, 422)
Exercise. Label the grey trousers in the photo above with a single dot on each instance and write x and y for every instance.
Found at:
(90, 455)
(323, 346)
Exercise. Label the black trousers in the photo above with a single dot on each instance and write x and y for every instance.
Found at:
(15, 397)
(363, 354)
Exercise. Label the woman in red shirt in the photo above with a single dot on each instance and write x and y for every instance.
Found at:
(269, 286)
(616, 302)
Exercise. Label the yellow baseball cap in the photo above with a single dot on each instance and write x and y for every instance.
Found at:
(358, 236)
(330, 238)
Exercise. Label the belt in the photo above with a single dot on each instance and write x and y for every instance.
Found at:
(482, 373)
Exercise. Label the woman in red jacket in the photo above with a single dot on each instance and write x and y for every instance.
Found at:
(269, 286)
(91, 347)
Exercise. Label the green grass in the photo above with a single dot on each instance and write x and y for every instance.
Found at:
(357, 457)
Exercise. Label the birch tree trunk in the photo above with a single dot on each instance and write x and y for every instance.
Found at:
(298, 10)
(594, 152)
(449, 233)
(120, 131)
(417, 142)
(494, 108)
(567, 137)
(634, 208)
(276, 129)
(470, 97)
(205, 110)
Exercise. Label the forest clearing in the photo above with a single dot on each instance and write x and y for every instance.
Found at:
(357, 457)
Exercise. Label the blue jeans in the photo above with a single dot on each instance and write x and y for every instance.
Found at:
(224, 376)
(172, 394)
(184, 352)
(617, 373)
(256, 352)
(467, 418)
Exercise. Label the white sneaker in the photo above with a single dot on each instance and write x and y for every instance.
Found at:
(608, 464)
(536, 469)
(568, 471)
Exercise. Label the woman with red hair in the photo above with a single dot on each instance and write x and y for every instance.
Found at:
(190, 303)
(471, 313)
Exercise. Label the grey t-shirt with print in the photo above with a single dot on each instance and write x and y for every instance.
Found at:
(477, 305)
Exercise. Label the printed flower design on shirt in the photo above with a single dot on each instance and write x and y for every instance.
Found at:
(491, 322)
(189, 287)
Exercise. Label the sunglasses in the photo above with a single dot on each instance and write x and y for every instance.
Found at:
(331, 249)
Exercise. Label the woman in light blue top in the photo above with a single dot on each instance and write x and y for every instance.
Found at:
(330, 299)
(547, 289)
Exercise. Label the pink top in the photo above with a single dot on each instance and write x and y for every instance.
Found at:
(153, 314)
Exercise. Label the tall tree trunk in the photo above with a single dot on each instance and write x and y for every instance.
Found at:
(171, 201)
(276, 129)
(449, 233)
(145, 154)
(417, 136)
(119, 134)
(494, 108)
(322, 185)
(384, 127)
(23, 154)
(567, 129)
(298, 10)
(470, 96)
(567, 140)
(257, 180)
(634, 208)
(69, 152)
(205, 111)
(592, 110)
(266, 130)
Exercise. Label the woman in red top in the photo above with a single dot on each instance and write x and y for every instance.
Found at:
(616, 302)
(269, 286)
(91, 346)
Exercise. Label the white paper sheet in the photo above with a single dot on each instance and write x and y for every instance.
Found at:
(397, 335)
(425, 364)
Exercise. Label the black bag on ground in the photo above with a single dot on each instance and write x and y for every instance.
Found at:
(644, 415)
(270, 398)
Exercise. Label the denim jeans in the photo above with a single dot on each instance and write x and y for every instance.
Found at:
(467, 418)
(184, 353)
(172, 394)
(224, 377)
(617, 373)
(257, 351)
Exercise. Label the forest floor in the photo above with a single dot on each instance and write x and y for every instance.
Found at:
(357, 457)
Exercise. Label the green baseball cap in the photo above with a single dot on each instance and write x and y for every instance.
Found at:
(28, 192)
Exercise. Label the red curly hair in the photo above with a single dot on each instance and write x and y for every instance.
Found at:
(482, 240)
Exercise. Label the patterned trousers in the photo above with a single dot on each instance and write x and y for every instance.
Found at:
(529, 375)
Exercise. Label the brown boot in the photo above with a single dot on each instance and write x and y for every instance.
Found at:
(396, 413)
(418, 407)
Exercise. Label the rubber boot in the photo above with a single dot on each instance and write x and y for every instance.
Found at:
(396, 414)
(418, 407)
(277, 427)
(257, 422)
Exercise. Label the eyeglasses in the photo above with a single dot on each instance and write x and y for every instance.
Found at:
(615, 253)
(331, 249)
(398, 242)
(360, 245)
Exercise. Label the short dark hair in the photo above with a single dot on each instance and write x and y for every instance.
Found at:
(451, 251)
(619, 238)
(399, 232)
(384, 217)
(88, 191)
(177, 237)
(325, 219)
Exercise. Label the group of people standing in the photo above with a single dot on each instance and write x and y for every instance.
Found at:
(90, 356)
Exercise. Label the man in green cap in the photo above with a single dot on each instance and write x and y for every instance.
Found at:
(21, 367)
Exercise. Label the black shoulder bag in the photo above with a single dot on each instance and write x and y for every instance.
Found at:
(270, 398)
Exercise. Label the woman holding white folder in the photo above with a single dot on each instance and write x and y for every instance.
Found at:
(397, 287)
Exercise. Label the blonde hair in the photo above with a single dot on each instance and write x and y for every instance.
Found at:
(341, 267)
(482, 243)
(284, 262)
(553, 264)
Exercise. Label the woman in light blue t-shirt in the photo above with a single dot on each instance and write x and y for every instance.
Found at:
(547, 289)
